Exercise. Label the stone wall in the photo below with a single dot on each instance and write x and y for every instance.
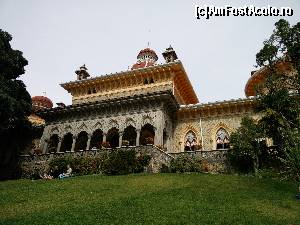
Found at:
(214, 161)
(210, 127)
(39, 164)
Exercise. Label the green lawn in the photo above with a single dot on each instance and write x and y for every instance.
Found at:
(150, 199)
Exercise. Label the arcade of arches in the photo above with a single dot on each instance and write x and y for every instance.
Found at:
(114, 138)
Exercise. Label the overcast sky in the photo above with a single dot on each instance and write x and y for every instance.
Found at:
(58, 36)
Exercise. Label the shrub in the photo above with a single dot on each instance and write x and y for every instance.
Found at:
(58, 166)
(165, 169)
(291, 164)
(142, 161)
(185, 163)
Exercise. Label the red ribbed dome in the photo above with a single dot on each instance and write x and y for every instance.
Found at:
(146, 57)
(41, 103)
(147, 51)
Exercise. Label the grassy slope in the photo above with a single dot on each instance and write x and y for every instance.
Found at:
(149, 199)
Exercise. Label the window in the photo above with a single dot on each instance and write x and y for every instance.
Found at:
(190, 141)
(222, 139)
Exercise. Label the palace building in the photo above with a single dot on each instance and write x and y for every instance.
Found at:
(149, 104)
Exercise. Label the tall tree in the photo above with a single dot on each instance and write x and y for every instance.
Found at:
(15, 106)
(279, 99)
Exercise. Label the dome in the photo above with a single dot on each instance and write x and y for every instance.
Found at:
(258, 78)
(41, 103)
(146, 57)
(149, 52)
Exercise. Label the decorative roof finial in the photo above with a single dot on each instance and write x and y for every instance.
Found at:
(82, 73)
(170, 55)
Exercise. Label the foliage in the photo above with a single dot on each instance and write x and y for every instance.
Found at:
(117, 162)
(185, 163)
(58, 166)
(279, 107)
(15, 106)
(246, 149)
(142, 161)
(123, 161)
(291, 164)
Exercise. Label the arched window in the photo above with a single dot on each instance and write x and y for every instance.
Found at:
(190, 141)
(97, 138)
(53, 143)
(145, 81)
(222, 139)
(147, 134)
(113, 137)
(81, 141)
(130, 135)
(66, 143)
(151, 81)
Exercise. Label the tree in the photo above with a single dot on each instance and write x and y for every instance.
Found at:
(247, 146)
(279, 99)
(15, 106)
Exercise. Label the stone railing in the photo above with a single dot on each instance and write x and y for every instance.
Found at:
(33, 164)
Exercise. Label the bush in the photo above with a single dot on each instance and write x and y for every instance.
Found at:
(142, 161)
(185, 163)
(123, 161)
(291, 164)
(58, 166)
(115, 163)
(165, 169)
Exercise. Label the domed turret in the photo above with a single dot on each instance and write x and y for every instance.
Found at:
(146, 57)
(41, 103)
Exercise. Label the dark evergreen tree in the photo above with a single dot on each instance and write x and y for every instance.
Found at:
(15, 106)
(279, 99)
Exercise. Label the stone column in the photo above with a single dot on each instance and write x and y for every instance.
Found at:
(59, 144)
(88, 142)
(120, 138)
(138, 133)
(158, 140)
(45, 146)
(73, 144)
(104, 137)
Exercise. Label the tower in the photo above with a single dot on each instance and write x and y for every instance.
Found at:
(82, 73)
(169, 55)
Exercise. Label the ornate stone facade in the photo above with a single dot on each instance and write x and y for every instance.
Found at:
(150, 101)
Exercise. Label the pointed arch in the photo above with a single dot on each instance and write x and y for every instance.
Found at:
(147, 134)
(81, 141)
(130, 135)
(147, 120)
(190, 129)
(223, 128)
(66, 144)
(53, 143)
(190, 141)
(113, 123)
(113, 137)
(222, 139)
(97, 139)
